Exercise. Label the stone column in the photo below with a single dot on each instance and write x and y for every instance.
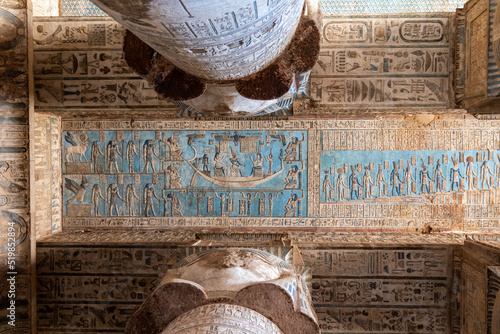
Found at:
(223, 57)
(211, 39)
(247, 289)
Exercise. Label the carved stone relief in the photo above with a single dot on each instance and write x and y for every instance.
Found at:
(15, 255)
(223, 317)
(174, 173)
(494, 50)
(384, 61)
(79, 64)
(380, 290)
(47, 174)
(477, 22)
(399, 174)
(229, 41)
(474, 309)
(493, 300)
(369, 289)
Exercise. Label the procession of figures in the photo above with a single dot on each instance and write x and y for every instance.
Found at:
(185, 173)
(416, 176)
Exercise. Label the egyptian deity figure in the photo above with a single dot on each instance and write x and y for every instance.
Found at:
(292, 148)
(485, 170)
(367, 182)
(340, 185)
(470, 173)
(395, 180)
(112, 196)
(291, 177)
(219, 165)
(148, 150)
(95, 151)
(175, 179)
(131, 197)
(291, 205)
(439, 177)
(497, 171)
(425, 178)
(222, 198)
(149, 192)
(198, 198)
(248, 198)
(270, 157)
(270, 198)
(95, 195)
(455, 175)
(112, 151)
(354, 183)
(328, 189)
(381, 181)
(235, 169)
(205, 163)
(131, 150)
(257, 165)
(408, 179)
(174, 148)
(175, 205)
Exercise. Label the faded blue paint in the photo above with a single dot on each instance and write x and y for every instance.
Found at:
(430, 172)
(192, 172)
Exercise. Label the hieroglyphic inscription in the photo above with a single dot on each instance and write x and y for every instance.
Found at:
(380, 290)
(48, 174)
(336, 238)
(349, 292)
(80, 63)
(473, 307)
(225, 318)
(476, 46)
(104, 260)
(493, 299)
(494, 50)
(395, 61)
(385, 262)
(223, 43)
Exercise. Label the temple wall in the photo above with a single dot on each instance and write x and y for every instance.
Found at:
(357, 284)
(478, 288)
(493, 299)
(323, 185)
(15, 227)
